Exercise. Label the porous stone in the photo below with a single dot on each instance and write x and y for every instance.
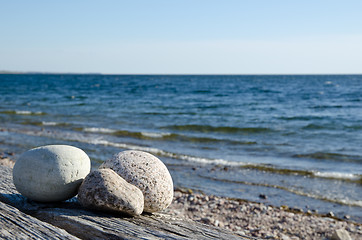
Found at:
(146, 172)
(51, 173)
(104, 189)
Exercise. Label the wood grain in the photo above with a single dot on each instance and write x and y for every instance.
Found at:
(53, 219)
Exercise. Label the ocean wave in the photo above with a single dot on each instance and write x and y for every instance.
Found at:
(163, 153)
(331, 156)
(218, 162)
(327, 106)
(349, 177)
(300, 118)
(339, 175)
(221, 129)
(119, 145)
(156, 134)
(42, 123)
(313, 126)
(32, 123)
(69, 136)
(22, 112)
(263, 90)
(353, 127)
(99, 130)
(125, 133)
(349, 202)
(223, 163)
(161, 136)
(51, 123)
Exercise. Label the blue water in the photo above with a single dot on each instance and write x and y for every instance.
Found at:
(295, 138)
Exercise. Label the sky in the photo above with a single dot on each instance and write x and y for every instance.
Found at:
(182, 36)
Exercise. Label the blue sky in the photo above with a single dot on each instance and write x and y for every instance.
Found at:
(182, 37)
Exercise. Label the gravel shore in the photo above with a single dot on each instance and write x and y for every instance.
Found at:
(6, 159)
(257, 219)
(248, 218)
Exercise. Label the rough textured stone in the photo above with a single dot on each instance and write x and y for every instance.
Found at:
(51, 173)
(104, 189)
(146, 172)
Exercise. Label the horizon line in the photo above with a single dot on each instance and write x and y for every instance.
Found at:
(168, 74)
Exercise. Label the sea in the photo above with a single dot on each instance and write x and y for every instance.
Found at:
(283, 140)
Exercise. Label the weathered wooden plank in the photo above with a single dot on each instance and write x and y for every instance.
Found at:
(17, 225)
(87, 224)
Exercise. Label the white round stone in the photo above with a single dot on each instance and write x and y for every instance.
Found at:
(146, 172)
(51, 173)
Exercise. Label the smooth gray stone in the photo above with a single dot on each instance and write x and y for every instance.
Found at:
(104, 189)
(51, 173)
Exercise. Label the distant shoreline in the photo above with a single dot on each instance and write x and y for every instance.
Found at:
(4, 72)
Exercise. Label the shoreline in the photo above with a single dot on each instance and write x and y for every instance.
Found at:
(249, 218)
(258, 219)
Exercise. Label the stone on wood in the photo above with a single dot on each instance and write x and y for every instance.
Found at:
(51, 173)
(146, 172)
(104, 189)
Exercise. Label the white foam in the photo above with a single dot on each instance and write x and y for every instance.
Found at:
(347, 201)
(49, 123)
(352, 202)
(121, 145)
(23, 112)
(100, 141)
(337, 175)
(163, 153)
(155, 135)
(99, 130)
(203, 160)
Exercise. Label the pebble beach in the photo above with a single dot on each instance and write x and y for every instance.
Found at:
(251, 219)
(257, 219)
